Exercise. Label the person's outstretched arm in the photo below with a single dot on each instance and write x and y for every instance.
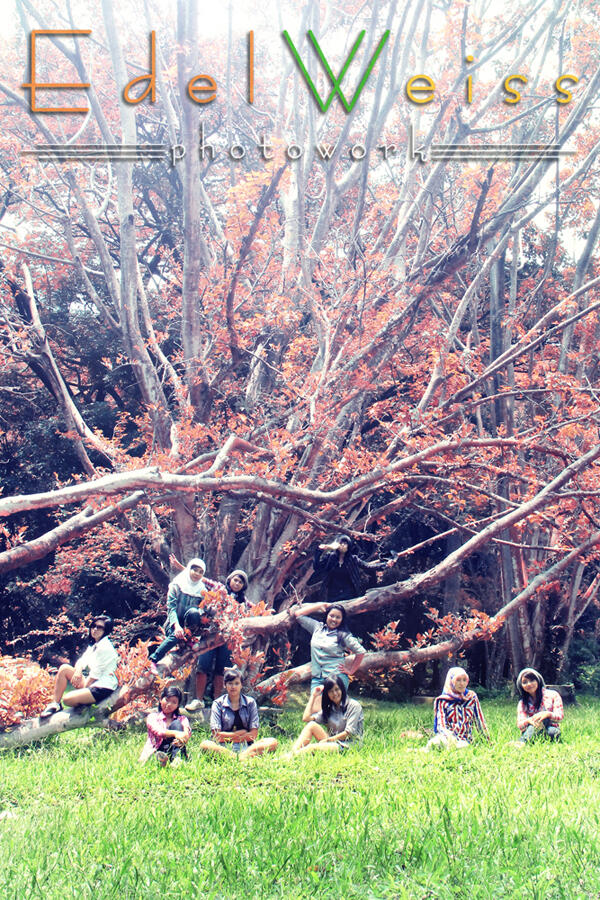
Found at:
(325, 557)
(309, 609)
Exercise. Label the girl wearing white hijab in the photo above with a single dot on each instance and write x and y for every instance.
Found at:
(456, 710)
(185, 591)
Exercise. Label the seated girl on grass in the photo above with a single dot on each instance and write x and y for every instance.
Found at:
(100, 660)
(342, 717)
(539, 710)
(456, 710)
(168, 730)
(234, 722)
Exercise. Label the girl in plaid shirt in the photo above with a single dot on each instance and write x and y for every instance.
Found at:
(456, 710)
(168, 730)
(539, 710)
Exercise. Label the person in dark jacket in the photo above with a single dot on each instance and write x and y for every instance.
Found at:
(341, 568)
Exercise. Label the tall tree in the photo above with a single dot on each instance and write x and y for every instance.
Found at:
(318, 320)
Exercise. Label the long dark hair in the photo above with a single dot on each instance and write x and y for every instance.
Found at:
(342, 629)
(327, 704)
(107, 625)
(527, 698)
(171, 690)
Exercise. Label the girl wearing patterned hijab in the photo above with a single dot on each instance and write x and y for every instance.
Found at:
(456, 710)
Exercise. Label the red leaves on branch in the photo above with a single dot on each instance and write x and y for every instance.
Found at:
(387, 638)
(25, 688)
(452, 625)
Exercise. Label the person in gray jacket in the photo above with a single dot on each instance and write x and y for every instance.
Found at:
(185, 593)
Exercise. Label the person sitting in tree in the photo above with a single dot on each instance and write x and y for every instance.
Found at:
(168, 730)
(93, 675)
(539, 710)
(234, 722)
(185, 592)
(339, 714)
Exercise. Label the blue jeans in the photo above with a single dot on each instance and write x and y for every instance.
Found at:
(553, 732)
(167, 746)
(169, 642)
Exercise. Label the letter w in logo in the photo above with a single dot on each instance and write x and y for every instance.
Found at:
(336, 82)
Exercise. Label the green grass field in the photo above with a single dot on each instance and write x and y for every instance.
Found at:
(83, 820)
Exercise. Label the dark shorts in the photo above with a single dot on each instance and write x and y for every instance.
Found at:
(219, 656)
(99, 693)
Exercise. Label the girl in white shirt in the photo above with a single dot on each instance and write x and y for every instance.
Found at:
(100, 659)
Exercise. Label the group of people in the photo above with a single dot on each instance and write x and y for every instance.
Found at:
(333, 721)
(184, 594)
(457, 710)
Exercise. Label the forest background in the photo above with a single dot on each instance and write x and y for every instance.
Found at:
(237, 358)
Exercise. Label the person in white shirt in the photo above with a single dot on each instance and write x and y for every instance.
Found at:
(100, 660)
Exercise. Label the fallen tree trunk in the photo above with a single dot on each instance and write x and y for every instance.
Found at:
(412, 656)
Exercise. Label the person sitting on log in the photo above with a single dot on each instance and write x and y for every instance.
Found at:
(539, 710)
(456, 710)
(100, 660)
(234, 722)
(185, 592)
(168, 730)
(340, 715)
(219, 658)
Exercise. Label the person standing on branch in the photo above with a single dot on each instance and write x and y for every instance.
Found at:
(539, 710)
(341, 568)
(219, 658)
(100, 661)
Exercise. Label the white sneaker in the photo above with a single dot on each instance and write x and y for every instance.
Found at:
(194, 705)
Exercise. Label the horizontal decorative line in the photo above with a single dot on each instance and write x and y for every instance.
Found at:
(101, 146)
(503, 146)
